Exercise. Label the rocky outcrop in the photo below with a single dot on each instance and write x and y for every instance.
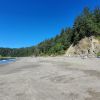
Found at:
(88, 46)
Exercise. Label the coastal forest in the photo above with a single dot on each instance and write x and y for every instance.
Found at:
(85, 25)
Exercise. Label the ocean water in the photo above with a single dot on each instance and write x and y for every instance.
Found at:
(6, 61)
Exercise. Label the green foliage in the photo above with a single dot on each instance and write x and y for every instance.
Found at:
(98, 54)
(98, 37)
(21, 52)
(85, 25)
(57, 49)
(0, 56)
(36, 51)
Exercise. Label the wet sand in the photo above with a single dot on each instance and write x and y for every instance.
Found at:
(50, 78)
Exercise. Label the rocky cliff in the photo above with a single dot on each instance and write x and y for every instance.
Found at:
(89, 46)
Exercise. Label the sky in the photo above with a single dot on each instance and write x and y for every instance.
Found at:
(25, 23)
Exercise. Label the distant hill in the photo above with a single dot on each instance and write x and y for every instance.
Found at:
(77, 39)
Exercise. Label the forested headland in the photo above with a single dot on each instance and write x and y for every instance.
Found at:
(85, 25)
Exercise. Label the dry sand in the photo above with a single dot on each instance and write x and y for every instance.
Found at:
(50, 78)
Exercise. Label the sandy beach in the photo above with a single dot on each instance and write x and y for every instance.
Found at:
(50, 78)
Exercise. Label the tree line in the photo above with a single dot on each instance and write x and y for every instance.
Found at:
(85, 25)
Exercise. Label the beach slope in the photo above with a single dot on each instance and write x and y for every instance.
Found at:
(50, 78)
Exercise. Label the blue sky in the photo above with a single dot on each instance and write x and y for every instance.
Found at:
(25, 23)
